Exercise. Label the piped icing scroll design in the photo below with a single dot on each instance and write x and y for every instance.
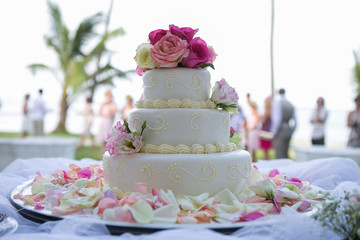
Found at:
(118, 171)
(234, 169)
(144, 171)
(161, 123)
(196, 116)
(153, 83)
(208, 170)
(197, 80)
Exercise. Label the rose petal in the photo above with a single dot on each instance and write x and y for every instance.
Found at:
(141, 211)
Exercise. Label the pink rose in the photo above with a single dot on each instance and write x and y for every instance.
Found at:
(199, 53)
(185, 33)
(212, 55)
(169, 51)
(156, 35)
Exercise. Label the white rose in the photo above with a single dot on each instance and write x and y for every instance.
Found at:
(143, 57)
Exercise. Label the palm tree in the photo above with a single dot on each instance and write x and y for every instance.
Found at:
(357, 72)
(75, 65)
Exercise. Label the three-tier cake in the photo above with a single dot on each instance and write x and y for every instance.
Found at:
(178, 137)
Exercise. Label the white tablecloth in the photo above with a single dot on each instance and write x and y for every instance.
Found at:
(337, 174)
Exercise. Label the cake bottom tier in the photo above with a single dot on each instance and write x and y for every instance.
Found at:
(190, 174)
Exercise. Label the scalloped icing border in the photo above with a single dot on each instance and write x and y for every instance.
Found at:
(175, 103)
(194, 149)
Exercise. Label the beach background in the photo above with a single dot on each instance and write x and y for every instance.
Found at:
(313, 53)
(336, 130)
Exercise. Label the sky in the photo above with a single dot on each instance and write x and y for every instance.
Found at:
(314, 42)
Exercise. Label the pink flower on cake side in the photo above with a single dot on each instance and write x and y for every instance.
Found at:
(225, 96)
(169, 51)
(127, 143)
(223, 93)
(199, 54)
(122, 140)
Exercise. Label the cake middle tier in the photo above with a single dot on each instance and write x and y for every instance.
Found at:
(182, 126)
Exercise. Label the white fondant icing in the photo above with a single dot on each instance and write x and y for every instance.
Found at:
(181, 126)
(177, 83)
(191, 174)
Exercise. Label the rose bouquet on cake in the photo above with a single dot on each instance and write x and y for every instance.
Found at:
(171, 48)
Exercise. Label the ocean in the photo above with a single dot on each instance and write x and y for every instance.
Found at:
(336, 130)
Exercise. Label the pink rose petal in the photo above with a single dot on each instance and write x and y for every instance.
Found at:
(107, 203)
(273, 173)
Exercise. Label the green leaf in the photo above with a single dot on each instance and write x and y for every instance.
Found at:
(143, 127)
(236, 139)
(127, 126)
(207, 65)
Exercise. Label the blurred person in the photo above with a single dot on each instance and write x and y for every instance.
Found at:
(353, 122)
(26, 121)
(127, 108)
(107, 113)
(38, 114)
(265, 134)
(252, 129)
(88, 113)
(318, 119)
(283, 124)
(238, 121)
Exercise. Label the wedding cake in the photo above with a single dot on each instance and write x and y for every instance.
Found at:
(178, 137)
(176, 161)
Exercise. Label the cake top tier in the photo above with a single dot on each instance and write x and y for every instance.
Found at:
(175, 47)
(177, 83)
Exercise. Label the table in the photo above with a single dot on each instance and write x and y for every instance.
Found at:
(31, 147)
(306, 153)
(337, 174)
